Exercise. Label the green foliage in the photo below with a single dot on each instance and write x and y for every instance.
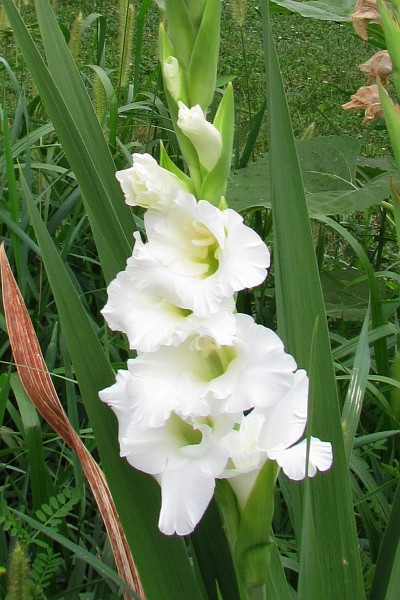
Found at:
(53, 513)
(49, 158)
(45, 566)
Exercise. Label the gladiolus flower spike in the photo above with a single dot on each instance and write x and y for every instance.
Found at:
(210, 394)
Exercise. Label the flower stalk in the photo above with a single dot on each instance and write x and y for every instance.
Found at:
(211, 395)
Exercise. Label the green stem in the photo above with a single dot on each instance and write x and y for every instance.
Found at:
(258, 592)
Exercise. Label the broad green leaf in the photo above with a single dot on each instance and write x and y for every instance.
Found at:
(328, 166)
(162, 562)
(327, 10)
(65, 97)
(299, 302)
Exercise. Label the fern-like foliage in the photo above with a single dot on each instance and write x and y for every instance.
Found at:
(44, 567)
(52, 514)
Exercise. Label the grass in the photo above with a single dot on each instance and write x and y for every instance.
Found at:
(319, 63)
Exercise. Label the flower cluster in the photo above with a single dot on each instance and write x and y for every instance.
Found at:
(211, 394)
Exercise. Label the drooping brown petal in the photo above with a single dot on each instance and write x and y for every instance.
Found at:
(379, 66)
(365, 11)
(367, 98)
(37, 382)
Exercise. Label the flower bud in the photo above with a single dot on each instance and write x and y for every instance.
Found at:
(204, 136)
(146, 183)
(172, 76)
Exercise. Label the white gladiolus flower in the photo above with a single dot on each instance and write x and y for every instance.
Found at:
(270, 433)
(172, 76)
(185, 456)
(150, 321)
(204, 136)
(197, 255)
(146, 183)
(200, 378)
(285, 422)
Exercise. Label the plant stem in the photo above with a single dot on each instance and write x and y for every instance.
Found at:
(258, 592)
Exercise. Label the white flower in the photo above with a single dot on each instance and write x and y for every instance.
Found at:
(172, 76)
(284, 424)
(146, 183)
(150, 321)
(270, 433)
(185, 456)
(197, 255)
(204, 136)
(200, 378)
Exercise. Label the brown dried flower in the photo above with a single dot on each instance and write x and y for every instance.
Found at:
(367, 97)
(379, 66)
(365, 11)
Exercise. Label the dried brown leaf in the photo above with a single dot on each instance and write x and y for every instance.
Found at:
(37, 382)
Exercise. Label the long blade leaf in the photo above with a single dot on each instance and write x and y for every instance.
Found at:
(65, 97)
(299, 303)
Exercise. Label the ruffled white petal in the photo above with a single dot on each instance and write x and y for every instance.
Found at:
(293, 460)
(260, 373)
(150, 321)
(245, 258)
(286, 418)
(199, 377)
(185, 495)
(197, 255)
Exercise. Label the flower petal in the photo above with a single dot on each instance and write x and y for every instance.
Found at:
(293, 460)
(286, 420)
(185, 495)
(197, 255)
(151, 321)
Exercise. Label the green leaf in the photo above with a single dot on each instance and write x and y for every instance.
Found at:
(387, 572)
(327, 10)
(64, 94)
(39, 476)
(254, 543)
(214, 556)
(355, 393)
(180, 30)
(299, 302)
(378, 320)
(328, 166)
(202, 71)
(81, 553)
